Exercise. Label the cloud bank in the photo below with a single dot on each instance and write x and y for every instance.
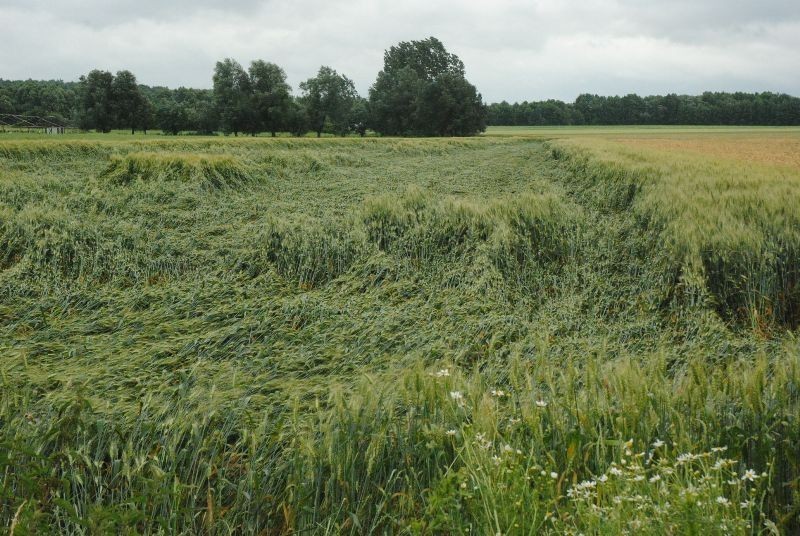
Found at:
(513, 49)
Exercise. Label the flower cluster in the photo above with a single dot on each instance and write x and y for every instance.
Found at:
(647, 491)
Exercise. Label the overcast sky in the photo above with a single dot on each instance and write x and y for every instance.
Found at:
(512, 49)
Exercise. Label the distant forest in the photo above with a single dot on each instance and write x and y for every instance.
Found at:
(421, 91)
(706, 109)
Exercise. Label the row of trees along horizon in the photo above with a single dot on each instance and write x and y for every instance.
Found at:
(421, 91)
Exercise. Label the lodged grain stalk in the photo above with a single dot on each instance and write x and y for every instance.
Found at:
(722, 241)
(211, 171)
(551, 448)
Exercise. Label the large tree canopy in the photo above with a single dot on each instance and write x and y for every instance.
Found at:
(97, 100)
(422, 91)
(130, 106)
(270, 95)
(329, 98)
(232, 92)
(108, 101)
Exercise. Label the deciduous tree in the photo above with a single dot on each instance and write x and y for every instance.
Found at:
(97, 101)
(129, 105)
(422, 90)
(232, 97)
(270, 97)
(329, 98)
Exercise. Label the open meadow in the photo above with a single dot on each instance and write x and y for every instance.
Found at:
(557, 330)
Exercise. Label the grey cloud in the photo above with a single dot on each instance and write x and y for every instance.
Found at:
(693, 21)
(513, 49)
(100, 13)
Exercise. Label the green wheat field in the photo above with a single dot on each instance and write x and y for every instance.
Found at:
(536, 331)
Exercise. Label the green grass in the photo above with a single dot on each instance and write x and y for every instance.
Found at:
(391, 336)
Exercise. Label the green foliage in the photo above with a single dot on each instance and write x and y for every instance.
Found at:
(270, 95)
(172, 117)
(232, 90)
(328, 99)
(422, 91)
(109, 101)
(40, 97)
(97, 101)
(360, 116)
(131, 109)
(710, 108)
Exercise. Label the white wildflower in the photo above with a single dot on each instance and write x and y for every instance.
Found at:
(541, 403)
(655, 478)
(723, 501)
(658, 444)
(456, 395)
(553, 475)
(614, 471)
(719, 464)
(451, 432)
(749, 475)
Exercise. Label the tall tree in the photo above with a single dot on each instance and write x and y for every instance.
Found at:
(451, 106)
(422, 90)
(329, 98)
(129, 105)
(232, 97)
(270, 95)
(97, 101)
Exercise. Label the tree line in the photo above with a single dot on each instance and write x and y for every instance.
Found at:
(421, 91)
(710, 108)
